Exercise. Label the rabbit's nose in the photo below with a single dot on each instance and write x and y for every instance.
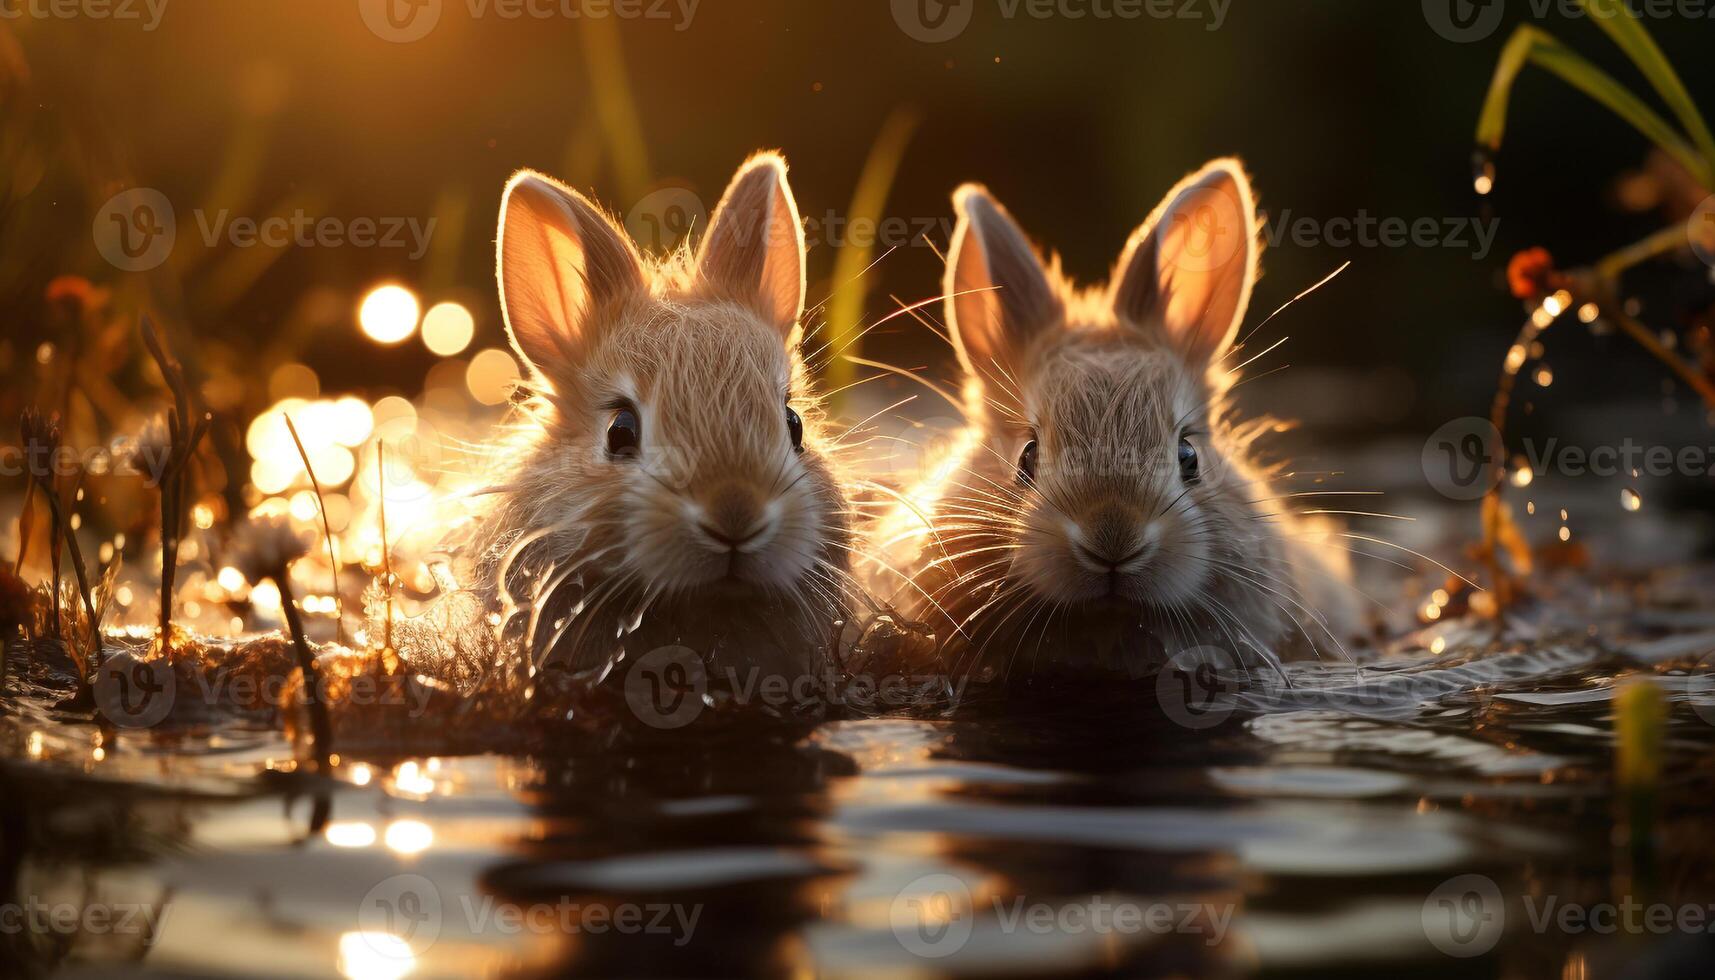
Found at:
(1112, 537)
(732, 516)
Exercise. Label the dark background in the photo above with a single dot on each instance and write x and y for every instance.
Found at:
(1338, 106)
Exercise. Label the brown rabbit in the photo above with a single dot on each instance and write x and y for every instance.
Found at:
(670, 482)
(1103, 507)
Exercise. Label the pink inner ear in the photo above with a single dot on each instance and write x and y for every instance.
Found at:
(754, 249)
(559, 257)
(1206, 256)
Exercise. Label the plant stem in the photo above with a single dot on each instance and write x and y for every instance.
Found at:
(1610, 266)
(321, 727)
(327, 529)
(1687, 373)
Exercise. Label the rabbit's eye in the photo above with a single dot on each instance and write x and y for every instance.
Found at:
(624, 434)
(1027, 463)
(795, 429)
(1188, 471)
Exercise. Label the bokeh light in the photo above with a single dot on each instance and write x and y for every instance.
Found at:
(388, 314)
(374, 956)
(448, 329)
(490, 376)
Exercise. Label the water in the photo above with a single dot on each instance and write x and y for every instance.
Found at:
(1048, 831)
(1448, 807)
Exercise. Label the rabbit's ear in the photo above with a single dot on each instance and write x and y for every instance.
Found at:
(559, 258)
(754, 249)
(998, 294)
(1189, 269)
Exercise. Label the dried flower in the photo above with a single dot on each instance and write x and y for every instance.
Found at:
(266, 547)
(151, 453)
(1531, 275)
(75, 297)
(41, 441)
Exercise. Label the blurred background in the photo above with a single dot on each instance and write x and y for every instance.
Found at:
(381, 131)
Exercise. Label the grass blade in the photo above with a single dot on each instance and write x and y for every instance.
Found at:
(845, 306)
(1530, 46)
(1620, 24)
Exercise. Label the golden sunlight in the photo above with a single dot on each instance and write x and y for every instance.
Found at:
(388, 314)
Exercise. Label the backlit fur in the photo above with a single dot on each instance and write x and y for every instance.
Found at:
(1108, 557)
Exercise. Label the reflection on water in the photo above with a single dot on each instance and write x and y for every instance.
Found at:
(374, 956)
(1316, 831)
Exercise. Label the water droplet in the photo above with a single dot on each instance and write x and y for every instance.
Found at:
(1630, 500)
(1482, 171)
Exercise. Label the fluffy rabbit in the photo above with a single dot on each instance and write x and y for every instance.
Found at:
(670, 479)
(1103, 507)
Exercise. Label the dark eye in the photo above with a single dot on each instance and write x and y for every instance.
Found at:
(1027, 463)
(795, 429)
(624, 434)
(1188, 471)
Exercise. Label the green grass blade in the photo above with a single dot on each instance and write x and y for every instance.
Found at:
(616, 107)
(845, 305)
(1623, 26)
(1530, 46)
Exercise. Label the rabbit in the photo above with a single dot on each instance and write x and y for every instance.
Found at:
(671, 479)
(1103, 509)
